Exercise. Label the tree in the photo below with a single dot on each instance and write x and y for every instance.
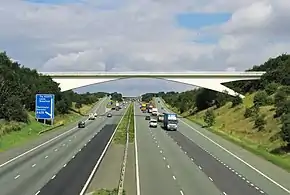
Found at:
(237, 100)
(209, 117)
(260, 122)
(282, 108)
(260, 99)
(285, 129)
(271, 88)
(116, 96)
(248, 113)
(280, 97)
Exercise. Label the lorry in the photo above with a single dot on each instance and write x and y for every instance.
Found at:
(170, 121)
(154, 111)
(143, 108)
(150, 107)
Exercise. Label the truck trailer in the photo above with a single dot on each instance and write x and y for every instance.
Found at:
(170, 122)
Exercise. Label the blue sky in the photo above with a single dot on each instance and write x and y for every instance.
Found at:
(199, 20)
(196, 21)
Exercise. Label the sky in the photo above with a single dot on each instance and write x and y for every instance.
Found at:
(143, 35)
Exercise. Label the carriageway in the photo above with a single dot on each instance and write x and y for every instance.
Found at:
(211, 80)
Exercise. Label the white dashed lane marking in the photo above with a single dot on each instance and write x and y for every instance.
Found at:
(224, 164)
(164, 158)
(17, 176)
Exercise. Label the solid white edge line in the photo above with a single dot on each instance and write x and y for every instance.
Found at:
(236, 157)
(83, 191)
(136, 155)
(35, 148)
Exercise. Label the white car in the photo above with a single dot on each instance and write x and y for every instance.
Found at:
(92, 117)
(153, 123)
(96, 115)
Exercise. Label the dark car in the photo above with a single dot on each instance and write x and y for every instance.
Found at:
(109, 115)
(147, 117)
(82, 124)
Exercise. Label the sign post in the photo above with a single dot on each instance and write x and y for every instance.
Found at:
(44, 107)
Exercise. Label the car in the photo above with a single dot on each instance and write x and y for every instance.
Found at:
(96, 115)
(147, 117)
(162, 108)
(153, 123)
(109, 115)
(92, 116)
(82, 124)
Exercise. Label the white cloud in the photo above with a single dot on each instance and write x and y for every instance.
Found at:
(142, 35)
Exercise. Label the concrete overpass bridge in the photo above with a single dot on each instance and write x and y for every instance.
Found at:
(210, 80)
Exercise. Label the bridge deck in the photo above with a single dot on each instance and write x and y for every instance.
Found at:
(152, 74)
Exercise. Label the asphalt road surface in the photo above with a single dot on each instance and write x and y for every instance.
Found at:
(163, 167)
(59, 163)
(230, 168)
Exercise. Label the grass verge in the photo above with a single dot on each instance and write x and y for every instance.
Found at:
(120, 136)
(232, 126)
(19, 133)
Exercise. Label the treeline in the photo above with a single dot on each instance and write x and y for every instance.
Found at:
(116, 97)
(272, 89)
(19, 85)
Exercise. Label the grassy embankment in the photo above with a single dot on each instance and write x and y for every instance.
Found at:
(107, 192)
(20, 133)
(120, 136)
(232, 125)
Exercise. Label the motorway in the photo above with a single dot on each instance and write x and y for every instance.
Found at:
(193, 161)
(163, 167)
(62, 165)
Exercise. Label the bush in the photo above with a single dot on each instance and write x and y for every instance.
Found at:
(260, 122)
(237, 100)
(209, 118)
(78, 105)
(285, 129)
(248, 113)
(279, 97)
(282, 108)
(260, 99)
(271, 88)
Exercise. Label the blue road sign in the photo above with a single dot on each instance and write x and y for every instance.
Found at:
(44, 106)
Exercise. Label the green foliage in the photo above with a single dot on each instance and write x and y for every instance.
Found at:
(19, 85)
(147, 97)
(78, 105)
(209, 118)
(260, 99)
(248, 113)
(116, 97)
(260, 122)
(271, 88)
(282, 108)
(237, 100)
(279, 97)
(285, 130)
